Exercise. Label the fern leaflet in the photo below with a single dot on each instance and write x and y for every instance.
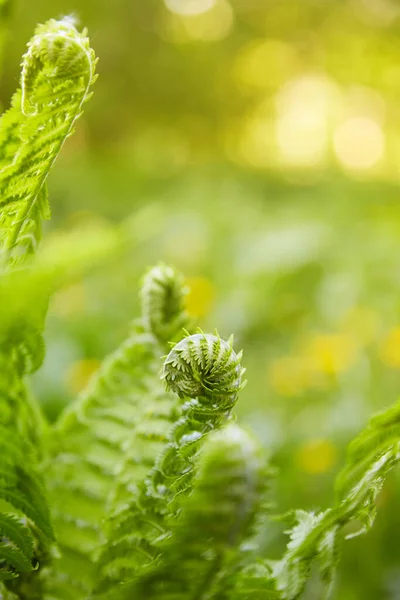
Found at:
(57, 72)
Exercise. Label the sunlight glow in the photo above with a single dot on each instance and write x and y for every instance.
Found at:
(302, 120)
(359, 143)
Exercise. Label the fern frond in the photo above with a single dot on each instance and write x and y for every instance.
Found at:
(214, 521)
(15, 559)
(12, 528)
(207, 367)
(121, 421)
(380, 438)
(27, 529)
(162, 294)
(318, 536)
(57, 72)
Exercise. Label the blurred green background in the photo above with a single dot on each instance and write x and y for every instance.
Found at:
(255, 145)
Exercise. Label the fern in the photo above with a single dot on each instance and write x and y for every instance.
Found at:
(215, 519)
(209, 368)
(57, 72)
(26, 532)
(318, 536)
(152, 491)
(31, 135)
(121, 420)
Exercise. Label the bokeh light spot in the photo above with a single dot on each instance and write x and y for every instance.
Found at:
(359, 143)
(302, 120)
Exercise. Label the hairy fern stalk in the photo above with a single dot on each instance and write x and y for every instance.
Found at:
(144, 487)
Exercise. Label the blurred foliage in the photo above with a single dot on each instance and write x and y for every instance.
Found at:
(256, 146)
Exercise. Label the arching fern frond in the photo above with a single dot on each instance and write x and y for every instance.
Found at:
(215, 519)
(318, 536)
(57, 72)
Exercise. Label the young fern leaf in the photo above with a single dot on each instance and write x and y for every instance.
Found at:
(370, 458)
(58, 70)
(207, 369)
(162, 294)
(108, 440)
(214, 520)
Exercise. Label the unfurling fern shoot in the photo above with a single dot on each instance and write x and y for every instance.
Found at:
(58, 70)
(163, 303)
(206, 373)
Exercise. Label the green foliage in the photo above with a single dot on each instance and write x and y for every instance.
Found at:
(121, 420)
(31, 135)
(150, 489)
(57, 72)
(132, 541)
(318, 536)
(199, 553)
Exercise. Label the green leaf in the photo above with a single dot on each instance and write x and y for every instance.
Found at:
(58, 70)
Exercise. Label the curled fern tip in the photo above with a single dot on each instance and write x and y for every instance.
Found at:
(204, 365)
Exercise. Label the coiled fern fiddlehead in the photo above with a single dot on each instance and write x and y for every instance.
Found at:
(58, 70)
(163, 303)
(206, 366)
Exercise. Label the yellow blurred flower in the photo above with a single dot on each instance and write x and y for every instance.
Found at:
(69, 300)
(316, 456)
(390, 348)
(331, 353)
(290, 375)
(200, 297)
(79, 373)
